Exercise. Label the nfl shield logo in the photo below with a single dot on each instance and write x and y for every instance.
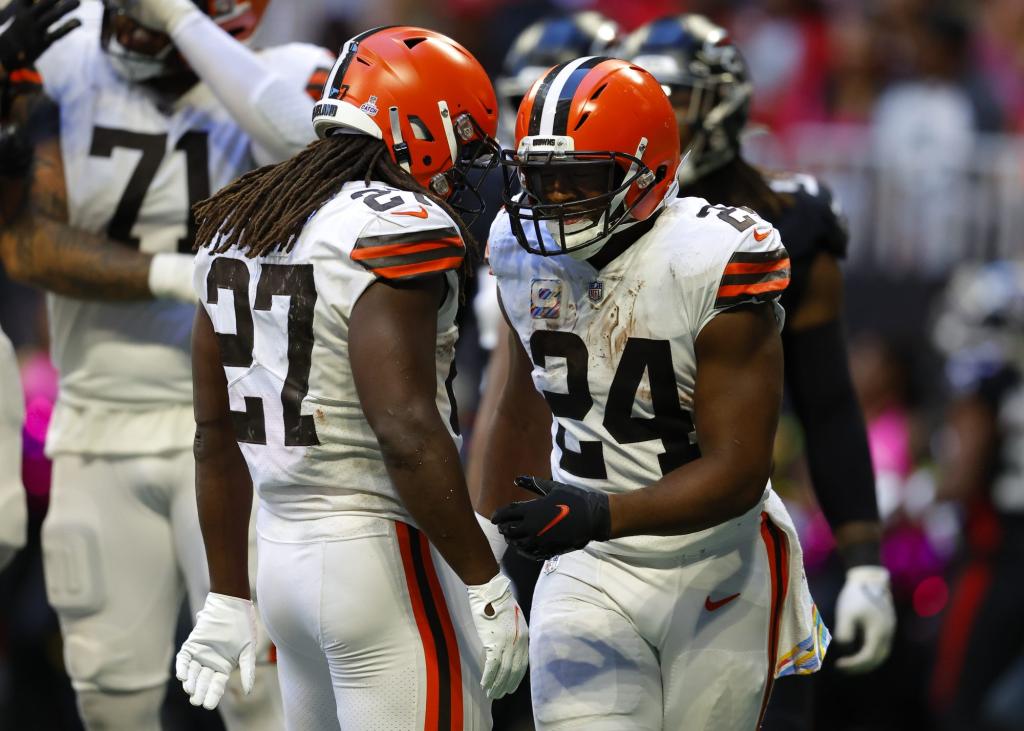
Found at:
(595, 291)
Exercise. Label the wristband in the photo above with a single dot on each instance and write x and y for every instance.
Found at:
(170, 277)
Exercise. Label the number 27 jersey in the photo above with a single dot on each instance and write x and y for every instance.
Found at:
(613, 350)
(282, 324)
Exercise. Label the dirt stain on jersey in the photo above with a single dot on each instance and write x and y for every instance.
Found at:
(319, 416)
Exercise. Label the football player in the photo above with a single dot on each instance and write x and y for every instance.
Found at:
(323, 365)
(25, 36)
(979, 332)
(154, 104)
(709, 87)
(649, 325)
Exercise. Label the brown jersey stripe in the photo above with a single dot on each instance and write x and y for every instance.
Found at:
(419, 257)
(755, 257)
(734, 290)
(403, 249)
(411, 271)
(744, 268)
(730, 279)
(412, 237)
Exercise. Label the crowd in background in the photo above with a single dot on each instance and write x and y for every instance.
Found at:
(912, 110)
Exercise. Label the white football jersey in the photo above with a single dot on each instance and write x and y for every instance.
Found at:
(13, 511)
(613, 349)
(133, 167)
(282, 322)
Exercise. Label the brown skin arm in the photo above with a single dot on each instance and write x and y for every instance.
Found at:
(517, 440)
(970, 440)
(39, 247)
(737, 396)
(823, 303)
(392, 340)
(223, 485)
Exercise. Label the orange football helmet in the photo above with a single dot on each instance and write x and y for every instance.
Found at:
(591, 119)
(425, 96)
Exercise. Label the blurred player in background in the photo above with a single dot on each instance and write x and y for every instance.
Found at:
(151, 105)
(709, 86)
(325, 345)
(981, 332)
(649, 325)
(26, 35)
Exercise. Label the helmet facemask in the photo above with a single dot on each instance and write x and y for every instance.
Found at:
(476, 155)
(579, 196)
(136, 52)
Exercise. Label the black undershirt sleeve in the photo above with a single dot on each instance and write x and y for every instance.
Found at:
(822, 394)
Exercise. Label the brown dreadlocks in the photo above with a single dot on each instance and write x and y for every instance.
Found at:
(265, 209)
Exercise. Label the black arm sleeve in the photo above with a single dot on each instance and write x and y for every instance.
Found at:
(818, 379)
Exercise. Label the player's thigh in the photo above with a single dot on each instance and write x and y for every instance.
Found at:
(392, 623)
(590, 667)
(306, 691)
(110, 571)
(715, 655)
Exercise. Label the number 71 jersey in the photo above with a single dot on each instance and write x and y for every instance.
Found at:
(613, 350)
(282, 322)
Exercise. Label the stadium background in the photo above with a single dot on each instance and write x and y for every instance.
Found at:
(912, 110)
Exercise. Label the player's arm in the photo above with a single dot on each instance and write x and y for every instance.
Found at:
(392, 340)
(223, 484)
(824, 399)
(516, 438)
(391, 345)
(818, 377)
(272, 110)
(224, 635)
(39, 247)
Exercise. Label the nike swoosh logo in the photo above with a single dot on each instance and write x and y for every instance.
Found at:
(422, 213)
(712, 606)
(760, 236)
(563, 510)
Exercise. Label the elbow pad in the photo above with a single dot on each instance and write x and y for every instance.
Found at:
(818, 377)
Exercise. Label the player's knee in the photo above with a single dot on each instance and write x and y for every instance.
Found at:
(107, 710)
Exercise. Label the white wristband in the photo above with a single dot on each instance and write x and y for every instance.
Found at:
(170, 277)
(494, 537)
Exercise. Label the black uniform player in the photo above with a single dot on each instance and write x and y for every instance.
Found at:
(707, 81)
(981, 333)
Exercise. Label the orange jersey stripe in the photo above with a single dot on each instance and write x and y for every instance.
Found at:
(422, 625)
(454, 659)
(778, 567)
(377, 252)
(25, 76)
(413, 270)
(733, 290)
(757, 268)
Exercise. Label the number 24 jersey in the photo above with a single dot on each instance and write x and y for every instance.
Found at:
(613, 349)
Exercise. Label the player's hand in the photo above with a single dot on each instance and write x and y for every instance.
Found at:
(29, 35)
(565, 518)
(502, 629)
(865, 603)
(224, 637)
(162, 15)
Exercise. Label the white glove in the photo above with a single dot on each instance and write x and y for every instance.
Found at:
(224, 636)
(162, 15)
(502, 629)
(497, 541)
(865, 601)
(170, 277)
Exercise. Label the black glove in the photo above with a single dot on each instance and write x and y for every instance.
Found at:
(564, 519)
(28, 36)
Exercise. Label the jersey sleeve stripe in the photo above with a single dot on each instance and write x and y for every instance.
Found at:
(756, 278)
(403, 258)
(411, 271)
(25, 76)
(756, 268)
(413, 237)
(373, 252)
(758, 257)
(740, 290)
